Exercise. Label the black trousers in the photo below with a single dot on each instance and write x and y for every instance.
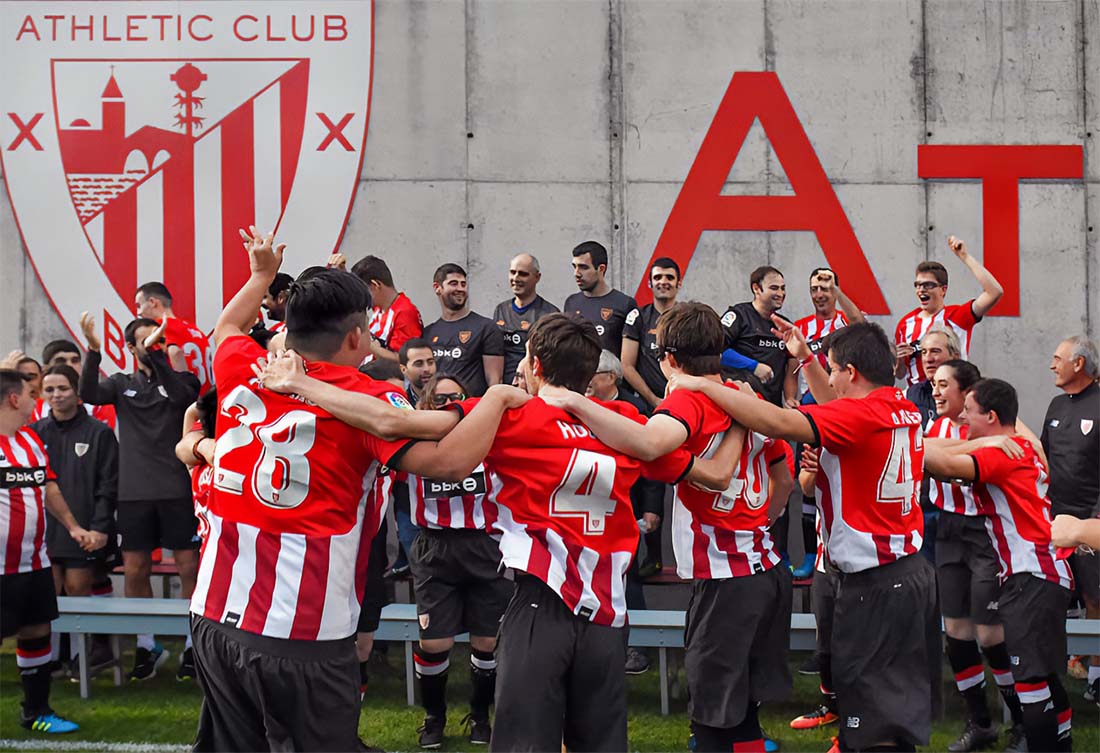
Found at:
(559, 677)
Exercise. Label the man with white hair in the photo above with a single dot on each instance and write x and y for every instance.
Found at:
(1071, 440)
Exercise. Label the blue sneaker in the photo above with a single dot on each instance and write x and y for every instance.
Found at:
(49, 723)
(770, 746)
(806, 569)
(146, 662)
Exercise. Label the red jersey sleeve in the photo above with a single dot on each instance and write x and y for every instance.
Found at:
(835, 424)
(406, 325)
(991, 465)
(685, 408)
(387, 452)
(962, 315)
(670, 468)
(775, 451)
(233, 362)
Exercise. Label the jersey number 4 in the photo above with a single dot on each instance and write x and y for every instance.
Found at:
(896, 484)
(585, 491)
(280, 476)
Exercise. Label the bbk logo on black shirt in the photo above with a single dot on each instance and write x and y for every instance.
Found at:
(472, 484)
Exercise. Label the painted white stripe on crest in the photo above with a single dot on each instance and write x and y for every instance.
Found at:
(208, 229)
(94, 229)
(267, 151)
(150, 229)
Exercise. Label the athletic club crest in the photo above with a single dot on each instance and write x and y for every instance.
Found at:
(137, 137)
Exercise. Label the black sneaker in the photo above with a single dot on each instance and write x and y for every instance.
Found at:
(1017, 740)
(636, 662)
(649, 569)
(187, 666)
(975, 737)
(811, 666)
(431, 731)
(146, 662)
(478, 730)
(1092, 691)
(100, 657)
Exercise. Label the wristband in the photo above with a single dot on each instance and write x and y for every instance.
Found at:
(195, 451)
(807, 361)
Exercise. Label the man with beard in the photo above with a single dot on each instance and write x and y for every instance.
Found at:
(417, 367)
(274, 302)
(641, 367)
(749, 334)
(516, 317)
(466, 344)
(597, 301)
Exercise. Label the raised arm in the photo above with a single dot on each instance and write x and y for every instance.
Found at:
(807, 474)
(649, 441)
(182, 387)
(746, 409)
(991, 289)
(816, 377)
(93, 390)
(263, 263)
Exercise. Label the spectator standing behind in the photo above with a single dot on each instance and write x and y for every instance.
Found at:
(641, 367)
(931, 289)
(28, 489)
(515, 317)
(153, 301)
(19, 361)
(68, 353)
(274, 302)
(417, 367)
(465, 343)
(759, 356)
(597, 301)
(1071, 440)
(155, 506)
(83, 453)
(393, 317)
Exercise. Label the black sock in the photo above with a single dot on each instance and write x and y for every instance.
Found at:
(363, 677)
(825, 664)
(1064, 711)
(653, 546)
(32, 656)
(431, 672)
(483, 683)
(747, 736)
(712, 739)
(809, 527)
(997, 658)
(966, 663)
(1040, 718)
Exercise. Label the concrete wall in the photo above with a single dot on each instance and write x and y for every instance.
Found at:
(499, 127)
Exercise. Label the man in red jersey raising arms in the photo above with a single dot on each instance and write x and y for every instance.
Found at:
(1010, 488)
(153, 301)
(867, 492)
(291, 518)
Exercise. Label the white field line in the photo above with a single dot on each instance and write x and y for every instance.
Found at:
(91, 745)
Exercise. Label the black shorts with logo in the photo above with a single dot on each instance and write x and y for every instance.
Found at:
(887, 654)
(458, 582)
(823, 601)
(162, 523)
(1086, 574)
(966, 569)
(1033, 612)
(736, 638)
(26, 599)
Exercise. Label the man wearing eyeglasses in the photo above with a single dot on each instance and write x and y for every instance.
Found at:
(931, 289)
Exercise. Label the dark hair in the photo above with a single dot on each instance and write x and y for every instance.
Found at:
(130, 333)
(665, 263)
(997, 396)
(935, 269)
(382, 369)
(758, 275)
(66, 371)
(156, 290)
(282, 282)
(568, 349)
(836, 277)
(11, 382)
(865, 347)
(595, 250)
(693, 333)
(28, 359)
(324, 305)
(207, 405)
(412, 342)
(53, 347)
(372, 269)
(445, 270)
(426, 401)
(966, 373)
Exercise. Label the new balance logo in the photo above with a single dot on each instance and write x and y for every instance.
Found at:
(992, 606)
(853, 722)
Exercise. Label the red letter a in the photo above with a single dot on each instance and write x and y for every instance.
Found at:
(701, 205)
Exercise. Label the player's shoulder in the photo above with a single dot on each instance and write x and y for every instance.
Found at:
(575, 301)
(908, 316)
(805, 321)
(500, 313)
(543, 306)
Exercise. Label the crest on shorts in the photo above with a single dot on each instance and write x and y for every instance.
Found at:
(1086, 426)
(136, 140)
(464, 336)
(606, 314)
(81, 449)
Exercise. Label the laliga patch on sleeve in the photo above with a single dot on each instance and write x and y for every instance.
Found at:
(632, 316)
(397, 400)
(729, 318)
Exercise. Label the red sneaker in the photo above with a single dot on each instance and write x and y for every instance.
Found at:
(819, 717)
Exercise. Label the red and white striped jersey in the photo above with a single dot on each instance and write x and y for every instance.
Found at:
(1013, 494)
(104, 413)
(564, 505)
(914, 325)
(721, 534)
(868, 483)
(198, 351)
(24, 472)
(396, 324)
(943, 494)
(815, 330)
(294, 505)
(276, 327)
(455, 504)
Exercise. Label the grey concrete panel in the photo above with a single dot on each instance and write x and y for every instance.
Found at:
(544, 220)
(1004, 72)
(1093, 260)
(538, 90)
(417, 124)
(1091, 70)
(866, 132)
(677, 63)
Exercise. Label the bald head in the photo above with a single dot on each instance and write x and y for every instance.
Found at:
(523, 278)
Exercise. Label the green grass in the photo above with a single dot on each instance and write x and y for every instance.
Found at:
(163, 710)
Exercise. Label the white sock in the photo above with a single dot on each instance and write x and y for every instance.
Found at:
(1094, 673)
(55, 646)
(146, 641)
(187, 643)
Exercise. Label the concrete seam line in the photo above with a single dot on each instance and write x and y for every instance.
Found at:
(92, 745)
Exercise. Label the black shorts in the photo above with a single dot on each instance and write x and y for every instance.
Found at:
(458, 583)
(1086, 575)
(966, 569)
(560, 677)
(823, 602)
(736, 638)
(162, 523)
(887, 654)
(77, 563)
(1033, 612)
(264, 693)
(26, 599)
(374, 592)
